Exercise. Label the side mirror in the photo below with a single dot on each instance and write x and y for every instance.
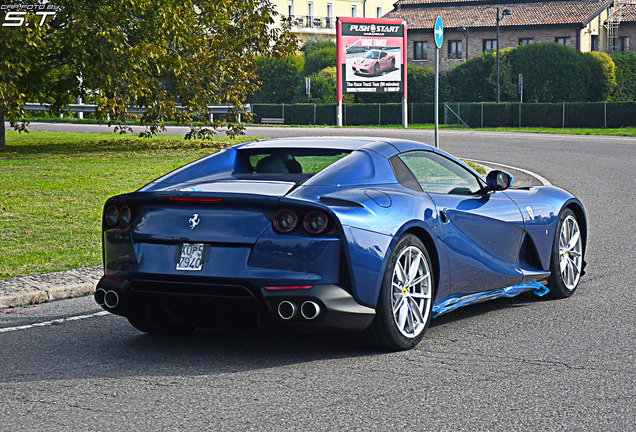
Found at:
(499, 180)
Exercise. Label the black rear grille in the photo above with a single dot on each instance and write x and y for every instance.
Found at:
(193, 289)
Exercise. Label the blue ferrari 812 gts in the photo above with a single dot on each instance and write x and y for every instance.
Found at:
(372, 235)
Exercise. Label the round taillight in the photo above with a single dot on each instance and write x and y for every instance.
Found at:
(285, 221)
(316, 222)
(112, 215)
(125, 215)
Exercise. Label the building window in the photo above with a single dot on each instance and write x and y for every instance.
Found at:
(420, 50)
(378, 12)
(596, 43)
(454, 49)
(563, 41)
(290, 8)
(526, 41)
(354, 11)
(330, 15)
(621, 44)
(490, 45)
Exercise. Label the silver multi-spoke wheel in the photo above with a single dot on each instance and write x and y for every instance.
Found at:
(411, 292)
(406, 297)
(570, 252)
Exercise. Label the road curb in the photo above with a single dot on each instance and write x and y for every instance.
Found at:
(47, 287)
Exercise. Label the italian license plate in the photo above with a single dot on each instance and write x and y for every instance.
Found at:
(191, 257)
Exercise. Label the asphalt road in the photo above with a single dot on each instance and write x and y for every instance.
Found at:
(511, 364)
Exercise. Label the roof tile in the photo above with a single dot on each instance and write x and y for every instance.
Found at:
(480, 15)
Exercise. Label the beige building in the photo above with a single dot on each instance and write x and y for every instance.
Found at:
(470, 26)
(315, 18)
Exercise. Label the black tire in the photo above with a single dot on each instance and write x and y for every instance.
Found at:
(392, 64)
(385, 331)
(155, 321)
(376, 69)
(562, 284)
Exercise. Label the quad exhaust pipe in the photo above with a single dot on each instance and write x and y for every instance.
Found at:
(108, 299)
(309, 310)
(287, 310)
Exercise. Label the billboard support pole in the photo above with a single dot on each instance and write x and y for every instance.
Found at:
(339, 73)
(405, 118)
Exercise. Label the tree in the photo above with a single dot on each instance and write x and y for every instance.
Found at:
(281, 79)
(323, 86)
(317, 60)
(172, 58)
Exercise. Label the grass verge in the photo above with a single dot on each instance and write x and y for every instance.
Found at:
(54, 185)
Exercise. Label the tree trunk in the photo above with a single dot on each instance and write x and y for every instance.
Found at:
(3, 144)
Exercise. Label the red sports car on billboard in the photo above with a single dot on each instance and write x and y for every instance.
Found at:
(374, 62)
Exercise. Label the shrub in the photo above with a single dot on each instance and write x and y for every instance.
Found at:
(551, 73)
(601, 79)
(625, 89)
(470, 79)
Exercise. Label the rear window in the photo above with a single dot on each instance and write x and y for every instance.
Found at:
(291, 161)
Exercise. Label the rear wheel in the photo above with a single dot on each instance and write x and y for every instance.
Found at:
(566, 263)
(404, 306)
(155, 321)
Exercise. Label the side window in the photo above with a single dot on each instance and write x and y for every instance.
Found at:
(437, 174)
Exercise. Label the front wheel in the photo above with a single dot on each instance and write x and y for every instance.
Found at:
(405, 303)
(566, 263)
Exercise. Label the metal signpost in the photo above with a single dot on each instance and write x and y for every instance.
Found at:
(438, 31)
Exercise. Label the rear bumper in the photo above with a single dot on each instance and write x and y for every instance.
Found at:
(327, 306)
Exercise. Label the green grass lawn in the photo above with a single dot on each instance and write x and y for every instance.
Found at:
(54, 185)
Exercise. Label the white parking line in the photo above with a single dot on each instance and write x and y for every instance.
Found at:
(543, 180)
(56, 321)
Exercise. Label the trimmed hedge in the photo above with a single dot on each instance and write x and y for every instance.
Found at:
(505, 114)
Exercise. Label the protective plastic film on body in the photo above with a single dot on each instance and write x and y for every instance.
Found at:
(452, 302)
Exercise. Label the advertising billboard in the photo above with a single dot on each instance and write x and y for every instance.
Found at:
(371, 55)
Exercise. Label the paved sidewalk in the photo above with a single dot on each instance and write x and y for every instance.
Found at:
(46, 287)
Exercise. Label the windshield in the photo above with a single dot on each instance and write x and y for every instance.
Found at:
(372, 54)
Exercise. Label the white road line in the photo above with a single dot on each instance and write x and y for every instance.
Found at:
(543, 180)
(52, 322)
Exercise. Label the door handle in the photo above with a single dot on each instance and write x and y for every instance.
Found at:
(443, 217)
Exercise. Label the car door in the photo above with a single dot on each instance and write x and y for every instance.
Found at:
(482, 231)
(383, 61)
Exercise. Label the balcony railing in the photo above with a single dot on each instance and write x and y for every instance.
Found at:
(316, 22)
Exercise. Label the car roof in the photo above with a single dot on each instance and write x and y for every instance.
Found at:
(384, 146)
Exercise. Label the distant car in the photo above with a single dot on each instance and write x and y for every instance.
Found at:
(374, 62)
(367, 234)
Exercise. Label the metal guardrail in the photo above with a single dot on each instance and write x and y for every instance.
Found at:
(91, 108)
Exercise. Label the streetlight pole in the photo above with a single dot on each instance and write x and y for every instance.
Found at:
(503, 13)
(464, 30)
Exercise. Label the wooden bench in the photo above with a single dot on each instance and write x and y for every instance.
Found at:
(272, 120)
